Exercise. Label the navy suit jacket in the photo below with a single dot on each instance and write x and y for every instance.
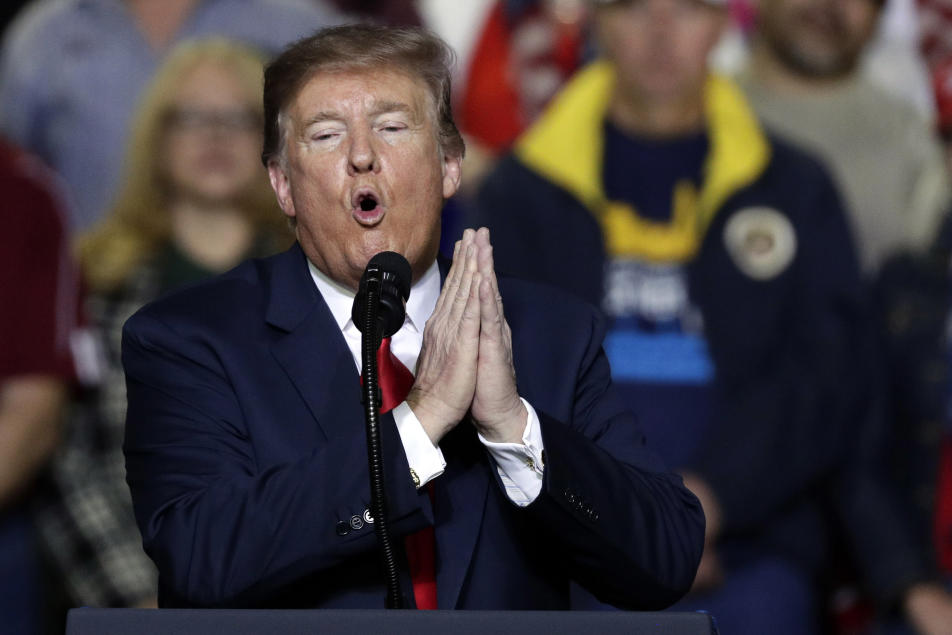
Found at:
(246, 456)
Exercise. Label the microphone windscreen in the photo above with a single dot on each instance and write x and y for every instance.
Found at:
(392, 263)
(393, 275)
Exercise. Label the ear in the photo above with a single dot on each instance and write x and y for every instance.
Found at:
(452, 172)
(282, 188)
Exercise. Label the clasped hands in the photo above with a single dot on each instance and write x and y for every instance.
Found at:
(465, 364)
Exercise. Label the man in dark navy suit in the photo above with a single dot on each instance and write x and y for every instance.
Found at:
(245, 443)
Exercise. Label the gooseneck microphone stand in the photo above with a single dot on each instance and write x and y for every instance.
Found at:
(370, 342)
(380, 288)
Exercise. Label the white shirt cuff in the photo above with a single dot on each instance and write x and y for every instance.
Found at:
(425, 459)
(521, 465)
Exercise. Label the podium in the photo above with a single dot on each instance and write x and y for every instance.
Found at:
(93, 621)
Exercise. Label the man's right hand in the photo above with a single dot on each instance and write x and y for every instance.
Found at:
(446, 369)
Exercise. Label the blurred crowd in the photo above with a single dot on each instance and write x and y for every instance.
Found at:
(756, 193)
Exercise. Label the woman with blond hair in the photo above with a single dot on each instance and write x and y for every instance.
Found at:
(194, 202)
(193, 180)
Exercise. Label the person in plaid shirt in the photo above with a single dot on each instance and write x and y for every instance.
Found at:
(189, 212)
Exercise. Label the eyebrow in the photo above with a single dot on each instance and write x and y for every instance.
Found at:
(379, 108)
(390, 106)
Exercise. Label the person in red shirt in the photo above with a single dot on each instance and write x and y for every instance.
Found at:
(37, 319)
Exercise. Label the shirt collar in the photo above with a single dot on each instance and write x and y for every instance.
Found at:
(340, 299)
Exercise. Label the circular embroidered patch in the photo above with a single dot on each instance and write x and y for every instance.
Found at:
(761, 241)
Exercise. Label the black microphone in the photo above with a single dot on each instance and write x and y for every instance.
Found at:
(379, 310)
(387, 277)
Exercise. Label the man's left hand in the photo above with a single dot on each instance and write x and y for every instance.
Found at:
(497, 411)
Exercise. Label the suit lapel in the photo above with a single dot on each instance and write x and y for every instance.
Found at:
(312, 351)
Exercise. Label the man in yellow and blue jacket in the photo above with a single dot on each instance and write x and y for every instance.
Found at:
(725, 263)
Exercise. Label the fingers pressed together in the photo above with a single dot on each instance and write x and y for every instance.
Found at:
(466, 360)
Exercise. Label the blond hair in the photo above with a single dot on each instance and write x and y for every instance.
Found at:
(138, 224)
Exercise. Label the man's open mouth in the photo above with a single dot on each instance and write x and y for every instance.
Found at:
(365, 199)
(367, 202)
(367, 207)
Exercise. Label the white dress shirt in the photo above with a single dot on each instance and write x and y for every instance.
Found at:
(520, 465)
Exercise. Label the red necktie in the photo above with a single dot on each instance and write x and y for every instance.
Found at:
(395, 381)
(394, 378)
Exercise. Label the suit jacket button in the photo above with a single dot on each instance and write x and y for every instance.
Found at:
(368, 518)
(343, 528)
(356, 522)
